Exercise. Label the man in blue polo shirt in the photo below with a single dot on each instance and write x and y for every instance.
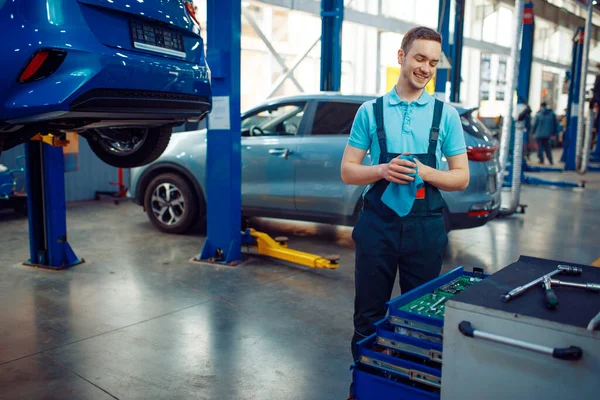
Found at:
(400, 228)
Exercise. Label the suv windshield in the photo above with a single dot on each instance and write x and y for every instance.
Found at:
(475, 127)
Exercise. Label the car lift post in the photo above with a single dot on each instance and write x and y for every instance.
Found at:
(524, 79)
(441, 76)
(570, 150)
(225, 239)
(332, 18)
(46, 204)
(223, 158)
(456, 50)
(523, 83)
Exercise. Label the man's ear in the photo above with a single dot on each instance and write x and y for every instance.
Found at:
(400, 56)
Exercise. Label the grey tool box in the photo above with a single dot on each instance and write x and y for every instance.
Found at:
(520, 349)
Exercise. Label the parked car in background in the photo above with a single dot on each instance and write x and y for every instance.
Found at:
(121, 74)
(292, 149)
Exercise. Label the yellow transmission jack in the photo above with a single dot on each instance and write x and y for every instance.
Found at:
(260, 243)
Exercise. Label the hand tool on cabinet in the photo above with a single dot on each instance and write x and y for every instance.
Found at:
(594, 322)
(592, 287)
(550, 299)
(561, 269)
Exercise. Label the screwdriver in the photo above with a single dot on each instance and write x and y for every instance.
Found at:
(592, 287)
(550, 299)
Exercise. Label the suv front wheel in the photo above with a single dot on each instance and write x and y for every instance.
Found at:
(129, 147)
(171, 203)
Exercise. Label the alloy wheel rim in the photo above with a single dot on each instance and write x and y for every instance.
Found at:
(168, 204)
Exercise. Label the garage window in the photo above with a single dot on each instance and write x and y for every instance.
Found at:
(334, 118)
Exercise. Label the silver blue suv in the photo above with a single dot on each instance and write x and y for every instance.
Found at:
(292, 148)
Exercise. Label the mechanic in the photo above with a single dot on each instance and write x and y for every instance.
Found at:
(385, 241)
(544, 127)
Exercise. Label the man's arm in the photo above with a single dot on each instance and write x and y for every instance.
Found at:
(354, 173)
(457, 178)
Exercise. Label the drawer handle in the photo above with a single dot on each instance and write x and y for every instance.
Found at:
(567, 353)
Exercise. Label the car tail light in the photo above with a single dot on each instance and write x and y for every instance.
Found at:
(479, 214)
(480, 210)
(485, 153)
(43, 64)
(192, 10)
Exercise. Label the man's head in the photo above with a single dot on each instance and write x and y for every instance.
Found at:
(419, 55)
(544, 104)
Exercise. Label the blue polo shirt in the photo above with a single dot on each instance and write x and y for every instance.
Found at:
(407, 127)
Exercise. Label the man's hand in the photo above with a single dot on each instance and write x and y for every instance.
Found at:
(424, 170)
(397, 170)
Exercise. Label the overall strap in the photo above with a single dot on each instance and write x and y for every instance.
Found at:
(378, 111)
(435, 127)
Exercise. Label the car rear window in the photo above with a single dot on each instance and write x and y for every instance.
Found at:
(475, 128)
(334, 118)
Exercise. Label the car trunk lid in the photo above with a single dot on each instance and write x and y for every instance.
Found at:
(170, 12)
(157, 27)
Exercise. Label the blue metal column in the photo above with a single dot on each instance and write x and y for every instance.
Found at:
(524, 78)
(457, 48)
(523, 83)
(332, 18)
(573, 106)
(46, 207)
(441, 78)
(223, 159)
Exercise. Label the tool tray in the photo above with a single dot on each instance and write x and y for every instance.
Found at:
(414, 369)
(373, 384)
(401, 314)
(409, 342)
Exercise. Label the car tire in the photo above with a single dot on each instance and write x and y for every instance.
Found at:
(167, 213)
(155, 142)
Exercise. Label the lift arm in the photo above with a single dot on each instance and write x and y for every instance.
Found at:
(262, 244)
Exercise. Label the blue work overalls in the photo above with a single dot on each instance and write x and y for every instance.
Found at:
(386, 242)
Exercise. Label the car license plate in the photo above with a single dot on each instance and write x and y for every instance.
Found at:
(156, 39)
(492, 183)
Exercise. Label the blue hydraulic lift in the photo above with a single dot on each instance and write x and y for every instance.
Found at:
(523, 83)
(225, 238)
(332, 18)
(570, 140)
(45, 183)
(223, 153)
(456, 50)
(441, 78)
(524, 78)
(451, 48)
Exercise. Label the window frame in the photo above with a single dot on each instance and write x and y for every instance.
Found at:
(315, 107)
(271, 106)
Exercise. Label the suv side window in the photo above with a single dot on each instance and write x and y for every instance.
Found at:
(275, 120)
(334, 118)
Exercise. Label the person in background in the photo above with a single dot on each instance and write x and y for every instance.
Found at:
(545, 126)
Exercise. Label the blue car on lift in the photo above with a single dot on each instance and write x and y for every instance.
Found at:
(119, 73)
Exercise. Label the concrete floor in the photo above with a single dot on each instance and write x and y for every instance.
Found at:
(138, 320)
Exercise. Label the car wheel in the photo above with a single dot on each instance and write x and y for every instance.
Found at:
(129, 147)
(171, 203)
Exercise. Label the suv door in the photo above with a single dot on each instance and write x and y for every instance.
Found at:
(319, 186)
(269, 142)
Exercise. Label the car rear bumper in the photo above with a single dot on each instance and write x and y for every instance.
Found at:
(109, 84)
(466, 221)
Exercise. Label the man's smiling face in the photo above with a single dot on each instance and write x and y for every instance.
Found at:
(420, 63)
